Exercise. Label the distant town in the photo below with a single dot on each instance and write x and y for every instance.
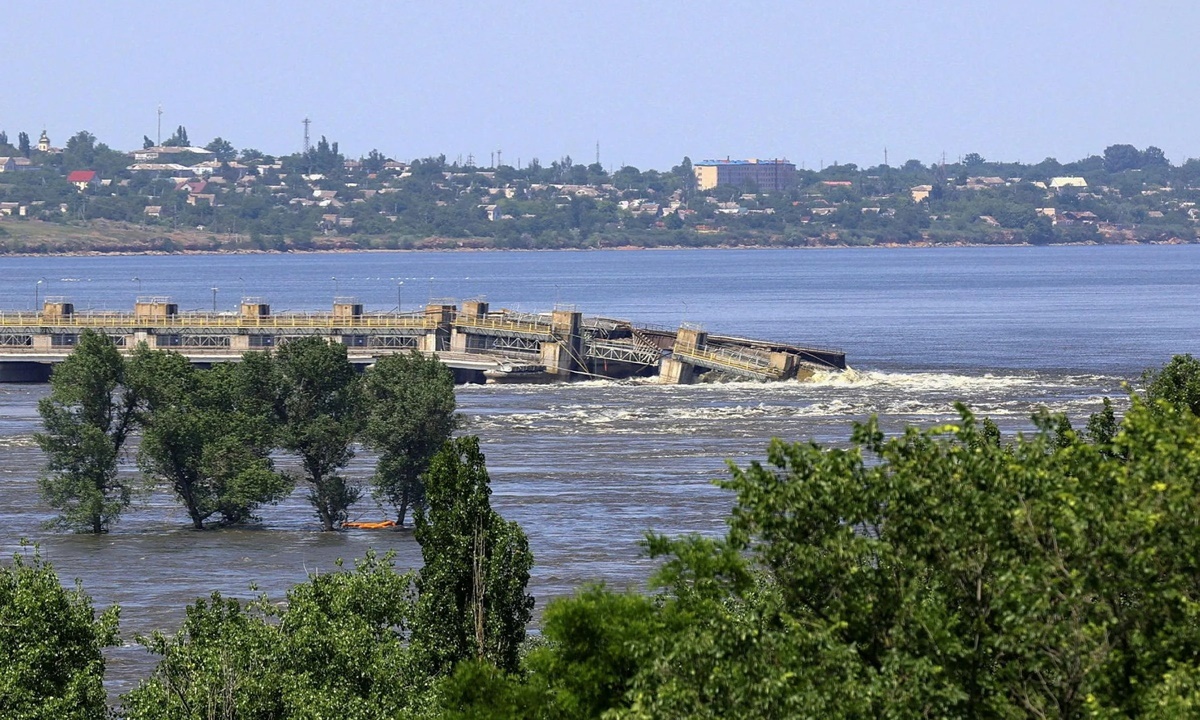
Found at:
(173, 196)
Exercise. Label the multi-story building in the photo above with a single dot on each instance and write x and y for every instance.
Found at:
(766, 175)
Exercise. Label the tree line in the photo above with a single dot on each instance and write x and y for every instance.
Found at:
(1136, 194)
(941, 572)
(208, 435)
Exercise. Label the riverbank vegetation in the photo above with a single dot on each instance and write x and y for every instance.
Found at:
(216, 198)
(943, 572)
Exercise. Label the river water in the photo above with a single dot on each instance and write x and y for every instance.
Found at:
(587, 468)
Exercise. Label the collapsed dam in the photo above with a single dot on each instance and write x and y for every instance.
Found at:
(479, 344)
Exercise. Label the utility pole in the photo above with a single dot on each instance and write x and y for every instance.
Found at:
(885, 157)
(597, 152)
(158, 137)
(306, 122)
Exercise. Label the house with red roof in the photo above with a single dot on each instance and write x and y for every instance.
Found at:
(82, 179)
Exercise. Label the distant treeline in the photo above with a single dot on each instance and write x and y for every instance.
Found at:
(320, 199)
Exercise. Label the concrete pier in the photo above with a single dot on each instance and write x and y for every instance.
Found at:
(478, 343)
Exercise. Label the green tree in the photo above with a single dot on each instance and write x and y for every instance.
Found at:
(321, 408)
(1119, 158)
(593, 646)
(147, 143)
(222, 149)
(178, 139)
(938, 573)
(51, 640)
(374, 161)
(471, 593)
(80, 152)
(23, 145)
(208, 434)
(335, 648)
(87, 417)
(1153, 157)
(322, 158)
(1177, 383)
(410, 415)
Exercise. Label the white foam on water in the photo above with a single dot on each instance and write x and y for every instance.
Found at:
(921, 382)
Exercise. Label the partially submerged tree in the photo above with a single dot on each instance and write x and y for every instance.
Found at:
(51, 640)
(208, 434)
(364, 644)
(320, 407)
(410, 415)
(472, 602)
(87, 417)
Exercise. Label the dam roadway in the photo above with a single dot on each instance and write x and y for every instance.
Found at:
(477, 343)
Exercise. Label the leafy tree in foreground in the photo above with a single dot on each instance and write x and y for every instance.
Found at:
(335, 649)
(940, 573)
(472, 602)
(321, 402)
(50, 643)
(1177, 383)
(87, 417)
(208, 433)
(410, 416)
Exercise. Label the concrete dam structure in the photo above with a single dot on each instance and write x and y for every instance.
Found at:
(477, 343)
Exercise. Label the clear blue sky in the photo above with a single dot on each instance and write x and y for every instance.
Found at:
(651, 81)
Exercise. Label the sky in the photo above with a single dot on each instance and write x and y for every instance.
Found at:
(651, 82)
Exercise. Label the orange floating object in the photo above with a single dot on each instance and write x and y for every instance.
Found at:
(369, 525)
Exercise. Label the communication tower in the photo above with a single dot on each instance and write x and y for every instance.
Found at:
(306, 122)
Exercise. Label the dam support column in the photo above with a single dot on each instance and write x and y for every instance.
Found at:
(676, 372)
(437, 337)
(562, 355)
(460, 337)
(783, 364)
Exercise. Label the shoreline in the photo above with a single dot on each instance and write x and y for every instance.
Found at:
(623, 248)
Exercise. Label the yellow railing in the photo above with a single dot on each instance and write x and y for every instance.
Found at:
(502, 324)
(106, 320)
(723, 360)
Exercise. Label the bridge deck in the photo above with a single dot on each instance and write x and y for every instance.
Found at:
(562, 343)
